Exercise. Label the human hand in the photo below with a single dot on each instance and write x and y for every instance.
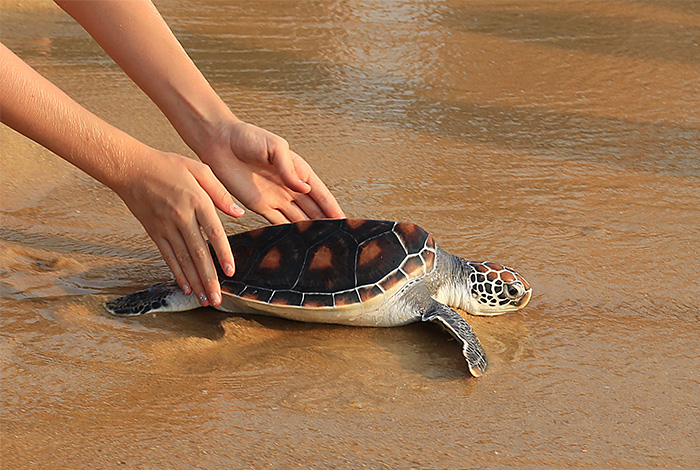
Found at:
(174, 198)
(258, 168)
(255, 165)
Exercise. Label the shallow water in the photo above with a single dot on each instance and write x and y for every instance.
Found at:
(561, 138)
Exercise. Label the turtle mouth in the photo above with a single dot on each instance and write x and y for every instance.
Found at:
(524, 300)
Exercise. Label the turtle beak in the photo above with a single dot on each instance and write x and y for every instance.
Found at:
(524, 299)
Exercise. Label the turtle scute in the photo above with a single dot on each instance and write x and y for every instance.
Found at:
(327, 267)
(378, 257)
(413, 237)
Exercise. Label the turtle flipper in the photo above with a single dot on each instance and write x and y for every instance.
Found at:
(163, 297)
(460, 329)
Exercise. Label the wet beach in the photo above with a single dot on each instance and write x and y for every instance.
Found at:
(560, 138)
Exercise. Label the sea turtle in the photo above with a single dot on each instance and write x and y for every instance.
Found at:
(352, 272)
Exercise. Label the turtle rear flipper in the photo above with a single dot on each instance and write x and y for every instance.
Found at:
(163, 297)
(460, 329)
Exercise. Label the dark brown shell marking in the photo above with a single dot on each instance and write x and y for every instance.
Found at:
(326, 263)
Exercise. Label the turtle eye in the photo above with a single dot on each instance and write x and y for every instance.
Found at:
(514, 290)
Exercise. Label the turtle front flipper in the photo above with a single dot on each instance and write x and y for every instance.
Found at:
(163, 297)
(460, 329)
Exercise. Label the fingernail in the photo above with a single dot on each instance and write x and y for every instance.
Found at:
(215, 298)
(237, 208)
(202, 298)
(305, 183)
(186, 289)
(228, 269)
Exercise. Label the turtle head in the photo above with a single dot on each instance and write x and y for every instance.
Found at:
(493, 289)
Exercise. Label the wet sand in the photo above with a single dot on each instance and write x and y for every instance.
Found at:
(561, 138)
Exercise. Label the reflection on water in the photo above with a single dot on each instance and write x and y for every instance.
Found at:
(557, 137)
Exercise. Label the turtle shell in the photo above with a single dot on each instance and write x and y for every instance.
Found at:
(327, 263)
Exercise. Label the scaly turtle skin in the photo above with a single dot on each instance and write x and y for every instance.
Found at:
(352, 272)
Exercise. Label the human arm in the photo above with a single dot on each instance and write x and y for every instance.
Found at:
(255, 165)
(172, 196)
